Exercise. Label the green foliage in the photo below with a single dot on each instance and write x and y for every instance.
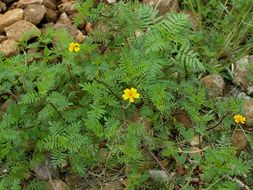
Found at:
(66, 104)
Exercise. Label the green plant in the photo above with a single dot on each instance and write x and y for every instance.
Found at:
(66, 103)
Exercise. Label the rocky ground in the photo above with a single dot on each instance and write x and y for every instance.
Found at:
(19, 17)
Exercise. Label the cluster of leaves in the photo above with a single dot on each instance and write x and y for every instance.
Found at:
(66, 103)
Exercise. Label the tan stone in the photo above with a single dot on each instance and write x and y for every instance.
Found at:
(34, 13)
(2, 38)
(113, 185)
(79, 37)
(68, 7)
(56, 185)
(163, 6)
(50, 15)
(2, 6)
(22, 30)
(51, 4)
(10, 17)
(247, 111)
(9, 47)
(24, 3)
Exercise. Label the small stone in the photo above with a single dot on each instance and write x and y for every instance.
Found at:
(41, 171)
(2, 6)
(50, 15)
(194, 151)
(163, 6)
(24, 3)
(79, 37)
(72, 179)
(215, 85)
(183, 117)
(10, 17)
(34, 13)
(68, 7)
(247, 111)
(65, 23)
(26, 30)
(159, 175)
(9, 47)
(51, 4)
(2, 38)
(56, 185)
(239, 139)
(89, 27)
(196, 140)
(64, 19)
(242, 73)
(113, 185)
(193, 20)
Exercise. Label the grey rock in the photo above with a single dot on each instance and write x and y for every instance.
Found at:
(247, 111)
(243, 74)
(163, 6)
(214, 84)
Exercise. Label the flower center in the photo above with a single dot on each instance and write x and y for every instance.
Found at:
(130, 94)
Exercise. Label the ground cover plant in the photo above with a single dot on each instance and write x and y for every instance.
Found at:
(128, 104)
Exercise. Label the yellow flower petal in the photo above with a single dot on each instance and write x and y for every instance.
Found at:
(131, 99)
(126, 91)
(70, 48)
(125, 96)
(239, 119)
(133, 90)
(77, 49)
(136, 95)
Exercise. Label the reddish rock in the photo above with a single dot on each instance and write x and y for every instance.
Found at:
(163, 6)
(34, 13)
(10, 17)
(239, 139)
(26, 30)
(9, 47)
(214, 84)
(182, 117)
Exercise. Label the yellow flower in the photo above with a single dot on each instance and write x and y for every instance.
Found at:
(74, 47)
(239, 119)
(130, 94)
